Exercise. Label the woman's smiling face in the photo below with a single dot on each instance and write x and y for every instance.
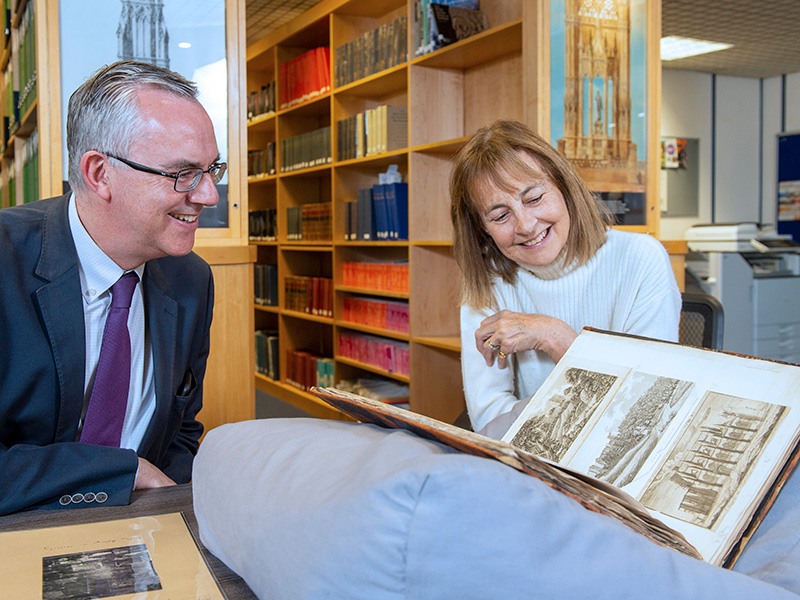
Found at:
(528, 219)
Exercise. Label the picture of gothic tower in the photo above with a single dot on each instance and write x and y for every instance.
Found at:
(142, 33)
(597, 94)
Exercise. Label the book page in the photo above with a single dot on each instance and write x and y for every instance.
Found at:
(697, 436)
(143, 557)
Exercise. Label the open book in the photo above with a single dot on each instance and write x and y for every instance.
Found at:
(689, 447)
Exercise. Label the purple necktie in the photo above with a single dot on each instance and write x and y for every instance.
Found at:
(106, 411)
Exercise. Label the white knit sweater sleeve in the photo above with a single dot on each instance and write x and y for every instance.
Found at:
(648, 289)
(628, 286)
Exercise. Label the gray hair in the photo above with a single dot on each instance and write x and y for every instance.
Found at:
(103, 112)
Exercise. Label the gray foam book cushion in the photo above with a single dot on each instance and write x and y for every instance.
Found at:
(307, 508)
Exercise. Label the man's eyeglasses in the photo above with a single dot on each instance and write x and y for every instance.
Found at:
(185, 179)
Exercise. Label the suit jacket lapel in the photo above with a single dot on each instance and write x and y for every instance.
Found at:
(61, 306)
(162, 325)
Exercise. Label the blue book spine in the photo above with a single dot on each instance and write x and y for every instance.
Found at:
(365, 215)
(381, 213)
(397, 201)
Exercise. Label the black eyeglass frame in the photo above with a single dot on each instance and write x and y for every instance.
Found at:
(216, 170)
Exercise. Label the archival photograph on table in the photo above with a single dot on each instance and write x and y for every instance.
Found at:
(99, 573)
(698, 437)
(142, 557)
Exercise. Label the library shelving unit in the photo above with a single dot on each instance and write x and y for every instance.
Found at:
(20, 65)
(447, 94)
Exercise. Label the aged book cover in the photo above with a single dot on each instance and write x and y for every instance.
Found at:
(142, 557)
(687, 446)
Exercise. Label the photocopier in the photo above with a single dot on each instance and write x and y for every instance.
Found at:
(755, 274)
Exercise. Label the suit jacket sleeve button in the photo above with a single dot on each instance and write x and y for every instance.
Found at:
(101, 497)
(65, 500)
(89, 497)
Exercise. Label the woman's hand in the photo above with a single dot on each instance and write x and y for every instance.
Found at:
(507, 332)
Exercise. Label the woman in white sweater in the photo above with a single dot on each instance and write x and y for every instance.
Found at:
(539, 263)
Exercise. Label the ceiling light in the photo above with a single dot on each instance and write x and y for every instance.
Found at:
(673, 47)
(184, 44)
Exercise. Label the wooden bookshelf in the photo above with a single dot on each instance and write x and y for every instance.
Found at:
(502, 72)
(20, 178)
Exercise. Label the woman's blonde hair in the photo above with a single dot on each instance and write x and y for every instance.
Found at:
(490, 157)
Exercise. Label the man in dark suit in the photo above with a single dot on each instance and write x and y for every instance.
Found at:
(143, 162)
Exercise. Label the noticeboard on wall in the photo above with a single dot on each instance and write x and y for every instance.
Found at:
(789, 184)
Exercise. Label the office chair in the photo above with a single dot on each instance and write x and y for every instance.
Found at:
(702, 320)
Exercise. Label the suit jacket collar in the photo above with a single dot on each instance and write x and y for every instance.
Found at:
(161, 311)
(62, 312)
(58, 250)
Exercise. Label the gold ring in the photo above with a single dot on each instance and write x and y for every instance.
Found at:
(493, 346)
(502, 354)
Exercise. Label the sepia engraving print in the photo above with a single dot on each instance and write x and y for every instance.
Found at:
(711, 461)
(653, 403)
(550, 433)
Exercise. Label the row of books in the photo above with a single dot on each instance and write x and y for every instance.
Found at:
(11, 109)
(305, 77)
(7, 21)
(378, 388)
(308, 294)
(374, 131)
(380, 129)
(390, 355)
(25, 51)
(306, 150)
(262, 225)
(265, 284)
(437, 24)
(383, 314)
(379, 214)
(30, 168)
(378, 276)
(305, 370)
(312, 295)
(261, 101)
(309, 222)
(12, 183)
(372, 52)
(262, 161)
(267, 353)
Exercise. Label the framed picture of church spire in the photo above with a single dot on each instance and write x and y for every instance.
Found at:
(602, 105)
(185, 36)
